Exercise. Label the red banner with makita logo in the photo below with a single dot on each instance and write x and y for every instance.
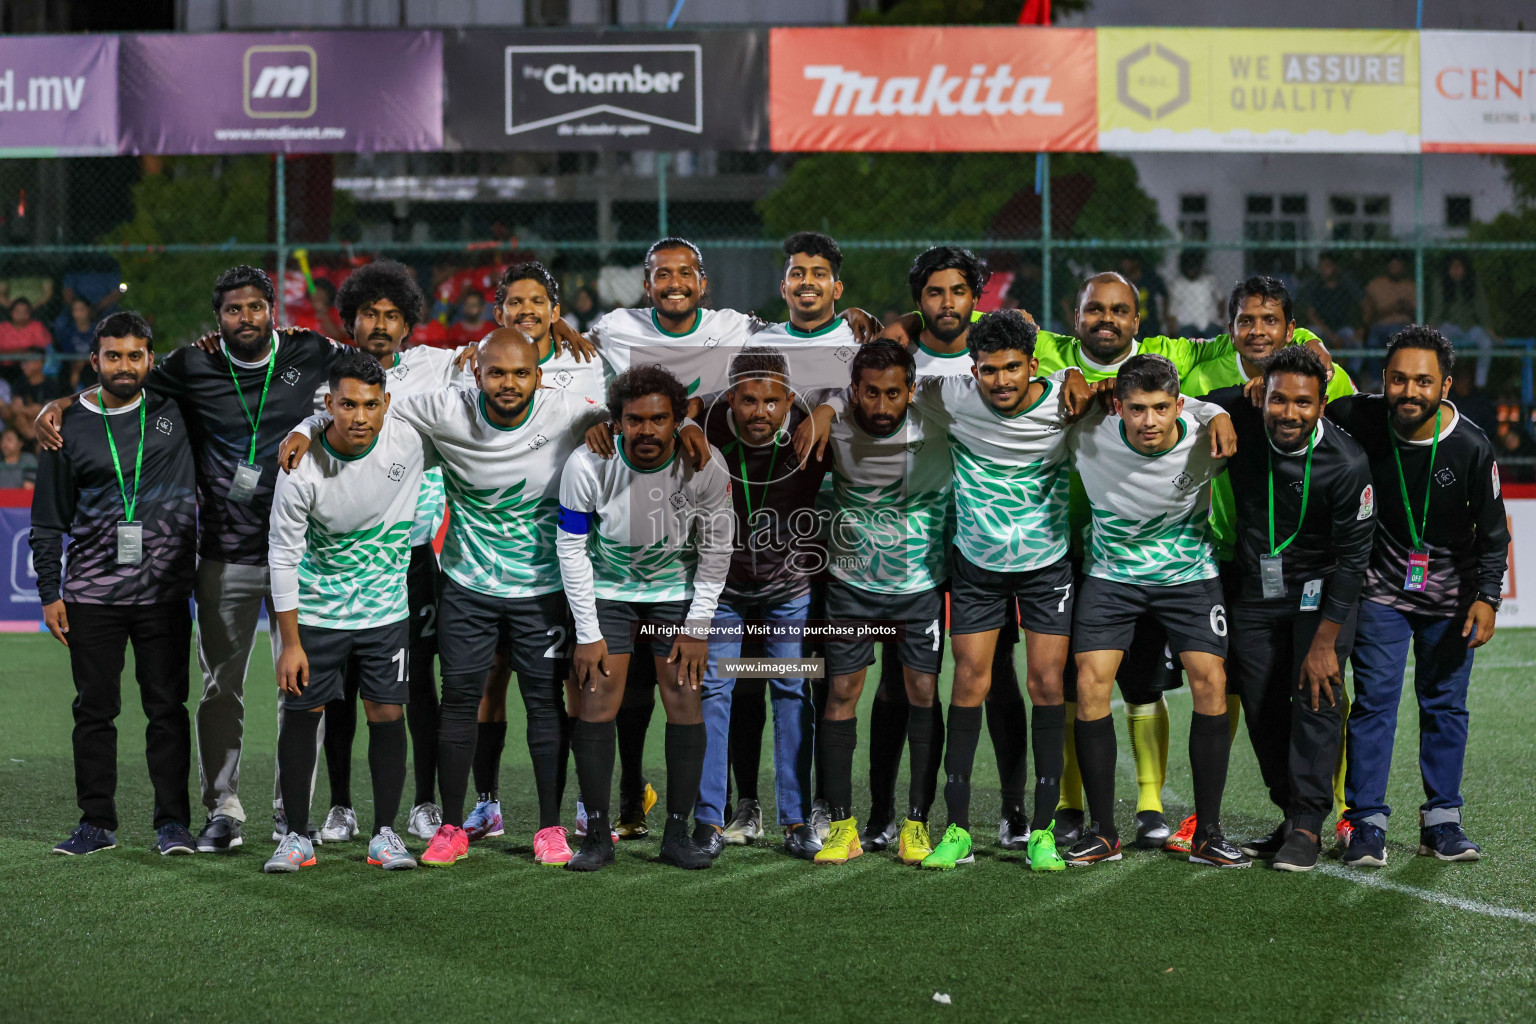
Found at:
(993, 89)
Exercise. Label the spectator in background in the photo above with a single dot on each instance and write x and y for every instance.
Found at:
(1473, 403)
(22, 332)
(1196, 305)
(1330, 304)
(1151, 293)
(584, 309)
(473, 316)
(1511, 443)
(322, 317)
(1460, 306)
(1026, 291)
(69, 354)
(30, 391)
(1390, 302)
(18, 469)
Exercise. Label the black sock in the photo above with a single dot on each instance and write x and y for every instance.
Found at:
(920, 784)
(1008, 724)
(386, 764)
(1096, 760)
(566, 732)
(593, 744)
(457, 731)
(959, 758)
(631, 724)
(887, 735)
(837, 741)
(1210, 742)
(543, 701)
(685, 766)
(1049, 731)
(421, 720)
(296, 765)
(749, 714)
(340, 731)
(490, 742)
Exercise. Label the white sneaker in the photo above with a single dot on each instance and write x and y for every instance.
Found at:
(581, 819)
(821, 819)
(746, 827)
(340, 825)
(424, 821)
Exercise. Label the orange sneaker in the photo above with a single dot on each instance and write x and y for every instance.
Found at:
(550, 846)
(449, 845)
(1342, 832)
(1182, 840)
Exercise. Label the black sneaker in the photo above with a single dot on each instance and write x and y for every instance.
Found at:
(709, 839)
(1298, 853)
(678, 849)
(1367, 847)
(174, 838)
(1068, 827)
(800, 841)
(1212, 848)
(1092, 848)
(1013, 830)
(879, 834)
(1446, 841)
(1265, 847)
(595, 852)
(1151, 830)
(86, 839)
(220, 835)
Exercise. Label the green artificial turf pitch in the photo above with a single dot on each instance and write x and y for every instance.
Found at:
(126, 934)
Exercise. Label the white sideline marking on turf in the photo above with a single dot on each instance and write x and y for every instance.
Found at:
(1359, 877)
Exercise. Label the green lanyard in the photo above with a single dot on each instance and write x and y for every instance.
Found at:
(138, 460)
(1416, 534)
(256, 422)
(1306, 490)
(746, 485)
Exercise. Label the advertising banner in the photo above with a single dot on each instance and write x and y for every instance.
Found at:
(1478, 91)
(606, 90)
(58, 95)
(932, 89)
(289, 92)
(19, 609)
(1289, 90)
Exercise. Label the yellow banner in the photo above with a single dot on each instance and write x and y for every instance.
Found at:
(1296, 90)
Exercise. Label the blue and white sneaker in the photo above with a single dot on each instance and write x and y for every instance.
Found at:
(485, 820)
(174, 839)
(581, 819)
(1446, 841)
(86, 839)
(1367, 847)
(294, 852)
(387, 850)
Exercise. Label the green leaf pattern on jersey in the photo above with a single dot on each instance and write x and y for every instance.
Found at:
(640, 572)
(501, 542)
(1009, 518)
(1156, 552)
(886, 538)
(354, 580)
(429, 507)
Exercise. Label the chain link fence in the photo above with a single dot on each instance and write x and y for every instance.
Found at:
(1364, 242)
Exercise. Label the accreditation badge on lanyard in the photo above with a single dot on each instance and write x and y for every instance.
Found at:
(248, 474)
(1417, 577)
(130, 533)
(1271, 569)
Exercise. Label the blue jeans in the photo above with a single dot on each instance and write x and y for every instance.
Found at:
(1443, 665)
(793, 717)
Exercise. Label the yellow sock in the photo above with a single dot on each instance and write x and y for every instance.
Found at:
(1339, 805)
(1234, 715)
(1148, 728)
(1071, 778)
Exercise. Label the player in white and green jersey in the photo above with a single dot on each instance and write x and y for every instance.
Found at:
(645, 542)
(887, 557)
(1146, 469)
(339, 549)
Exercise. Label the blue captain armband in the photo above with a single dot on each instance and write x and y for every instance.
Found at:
(572, 521)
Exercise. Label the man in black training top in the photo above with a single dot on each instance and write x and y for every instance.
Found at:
(122, 488)
(1304, 524)
(1435, 583)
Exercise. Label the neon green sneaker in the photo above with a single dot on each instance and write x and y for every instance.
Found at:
(954, 848)
(1041, 853)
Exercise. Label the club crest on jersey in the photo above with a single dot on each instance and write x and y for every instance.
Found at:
(562, 378)
(538, 442)
(400, 371)
(913, 447)
(1184, 482)
(711, 342)
(1297, 486)
(844, 353)
(1053, 428)
(678, 500)
(291, 375)
(163, 424)
(1445, 477)
(1367, 503)
(397, 472)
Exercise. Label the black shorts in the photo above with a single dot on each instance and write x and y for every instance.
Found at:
(980, 599)
(423, 588)
(621, 622)
(1193, 614)
(535, 632)
(921, 614)
(378, 655)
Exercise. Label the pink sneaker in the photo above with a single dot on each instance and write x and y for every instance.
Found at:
(449, 845)
(550, 847)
